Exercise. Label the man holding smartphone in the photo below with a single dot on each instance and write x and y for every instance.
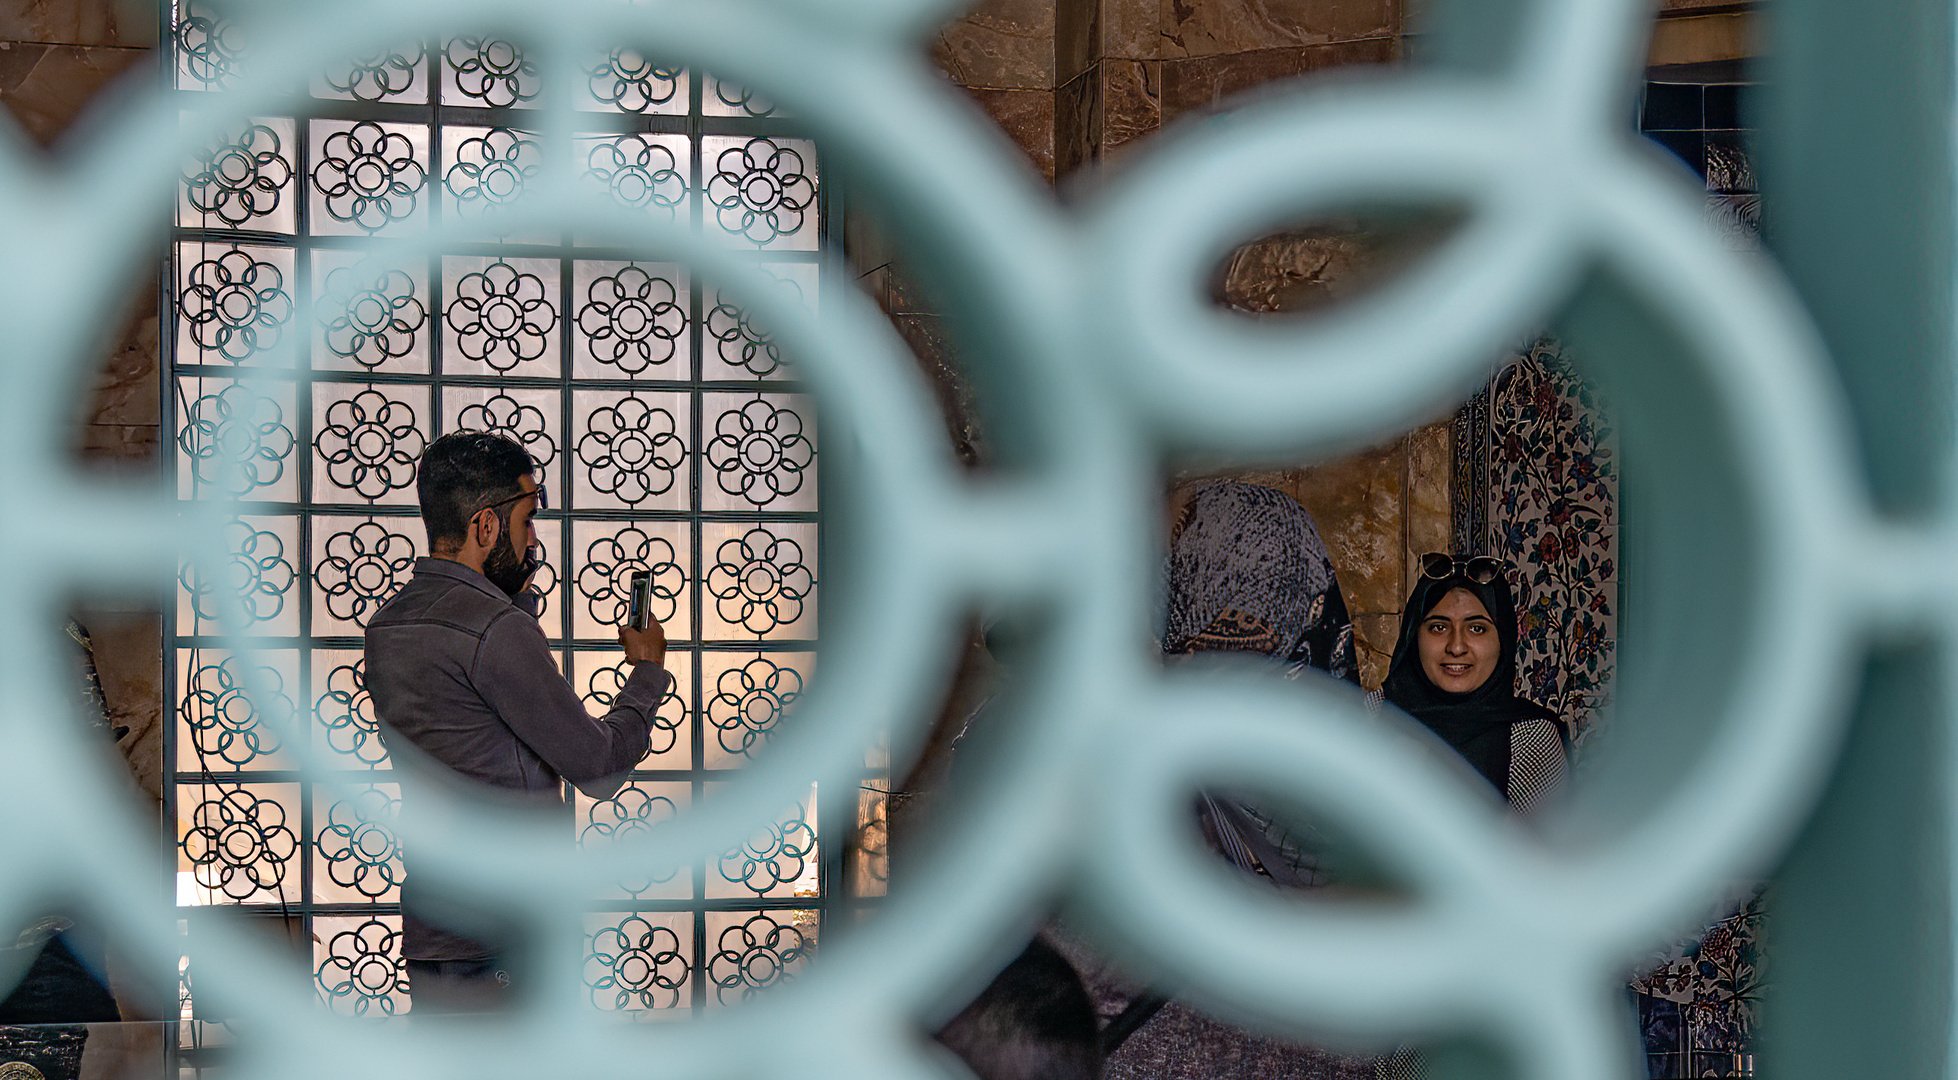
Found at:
(464, 685)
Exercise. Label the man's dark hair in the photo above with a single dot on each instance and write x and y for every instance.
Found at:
(461, 473)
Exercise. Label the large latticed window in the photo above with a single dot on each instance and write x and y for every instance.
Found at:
(307, 375)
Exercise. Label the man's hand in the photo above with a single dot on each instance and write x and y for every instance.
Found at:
(643, 646)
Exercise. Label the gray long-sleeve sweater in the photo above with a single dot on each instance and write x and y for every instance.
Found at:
(467, 678)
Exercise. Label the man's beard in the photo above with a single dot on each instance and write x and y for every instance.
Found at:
(507, 570)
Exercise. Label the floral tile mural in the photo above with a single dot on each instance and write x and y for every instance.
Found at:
(1697, 1001)
(1537, 484)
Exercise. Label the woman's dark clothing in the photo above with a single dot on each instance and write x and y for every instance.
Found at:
(1247, 572)
(1489, 726)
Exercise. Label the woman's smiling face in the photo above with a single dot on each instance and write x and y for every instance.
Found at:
(1459, 643)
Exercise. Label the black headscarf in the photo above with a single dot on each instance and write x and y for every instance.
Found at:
(1477, 723)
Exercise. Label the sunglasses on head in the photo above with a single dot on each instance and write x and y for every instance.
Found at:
(1482, 569)
(537, 491)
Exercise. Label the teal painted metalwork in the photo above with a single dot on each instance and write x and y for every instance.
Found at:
(1088, 329)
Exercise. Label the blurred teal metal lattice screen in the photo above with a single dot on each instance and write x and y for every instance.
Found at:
(1090, 333)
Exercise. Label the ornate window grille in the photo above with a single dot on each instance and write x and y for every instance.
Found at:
(306, 377)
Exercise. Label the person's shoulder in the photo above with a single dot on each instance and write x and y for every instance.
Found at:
(1527, 711)
(1539, 724)
(439, 599)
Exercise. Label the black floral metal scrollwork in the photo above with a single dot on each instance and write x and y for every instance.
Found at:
(224, 716)
(772, 858)
(509, 417)
(369, 176)
(605, 579)
(211, 47)
(491, 170)
(669, 716)
(347, 713)
(632, 450)
(759, 452)
(255, 578)
(361, 568)
(235, 305)
(635, 965)
(239, 844)
(761, 190)
(542, 581)
(371, 316)
(759, 581)
(240, 179)
(633, 810)
(632, 320)
(370, 444)
(741, 343)
(740, 97)
(492, 71)
(631, 83)
(378, 75)
(749, 701)
(756, 955)
(237, 440)
(630, 811)
(502, 316)
(363, 971)
(639, 172)
(360, 851)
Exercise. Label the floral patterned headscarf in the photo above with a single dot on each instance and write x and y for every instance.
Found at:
(1248, 572)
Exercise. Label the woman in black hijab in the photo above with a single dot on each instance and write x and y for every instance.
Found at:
(1454, 670)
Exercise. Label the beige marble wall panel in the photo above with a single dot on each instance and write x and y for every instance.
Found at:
(876, 284)
(1132, 29)
(1078, 122)
(1217, 27)
(1077, 38)
(1700, 39)
(117, 427)
(1295, 272)
(79, 22)
(1204, 83)
(1429, 518)
(46, 87)
(1132, 102)
(930, 341)
(907, 297)
(1027, 117)
(1357, 504)
(125, 391)
(120, 449)
(1374, 637)
(129, 661)
(1000, 45)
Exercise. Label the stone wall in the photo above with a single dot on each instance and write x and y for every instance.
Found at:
(1078, 82)
(56, 57)
(1073, 81)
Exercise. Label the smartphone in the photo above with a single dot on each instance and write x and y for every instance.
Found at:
(642, 600)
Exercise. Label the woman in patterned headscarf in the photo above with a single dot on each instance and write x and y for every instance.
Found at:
(1248, 573)
(1454, 670)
